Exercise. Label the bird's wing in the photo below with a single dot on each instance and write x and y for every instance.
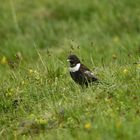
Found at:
(87, 73)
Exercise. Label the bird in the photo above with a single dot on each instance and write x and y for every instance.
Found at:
(79, 72)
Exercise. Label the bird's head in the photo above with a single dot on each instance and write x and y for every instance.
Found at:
(73, 60)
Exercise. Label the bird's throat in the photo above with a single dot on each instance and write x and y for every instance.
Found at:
(75, 68)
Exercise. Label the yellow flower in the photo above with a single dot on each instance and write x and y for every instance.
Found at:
(4, 60)
(87, 126)
(41, 121)
(30, 71)
(125, 71)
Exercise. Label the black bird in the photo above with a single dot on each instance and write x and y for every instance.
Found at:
(80, 73)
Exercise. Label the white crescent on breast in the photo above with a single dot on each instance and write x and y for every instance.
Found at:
(75, 68)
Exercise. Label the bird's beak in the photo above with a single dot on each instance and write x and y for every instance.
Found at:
(68, 60)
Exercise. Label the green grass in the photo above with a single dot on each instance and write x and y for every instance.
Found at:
(39, 100)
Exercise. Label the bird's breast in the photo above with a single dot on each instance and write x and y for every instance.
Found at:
(78, 77)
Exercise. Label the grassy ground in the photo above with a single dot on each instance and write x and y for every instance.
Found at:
(38, 98)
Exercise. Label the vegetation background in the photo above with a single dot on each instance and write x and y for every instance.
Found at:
(38, 99)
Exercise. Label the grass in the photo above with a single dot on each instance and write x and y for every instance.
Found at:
(38, 98)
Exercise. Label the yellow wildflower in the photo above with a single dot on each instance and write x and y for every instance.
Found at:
(4, 60)
(30, 71)
(125, 71)
(87, 126)
(41, 121)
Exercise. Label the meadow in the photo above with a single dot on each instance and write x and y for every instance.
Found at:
(39, 100)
